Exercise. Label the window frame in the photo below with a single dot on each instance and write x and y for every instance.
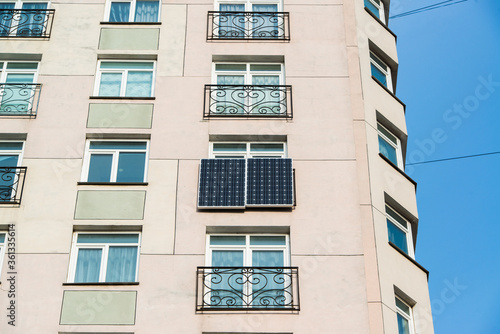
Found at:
(18, 4)
(248, 73)
(4, 71)
(131, 19)
(123, 85)
(397, 146)
(406, 230)
(115, 160)
(402, 313)
(3, 247)
(380, 7)
(248, 153)
(374, 61)
(20, 153)
(104, 256)
(248, 4)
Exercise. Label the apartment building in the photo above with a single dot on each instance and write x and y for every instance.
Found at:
(205, 167)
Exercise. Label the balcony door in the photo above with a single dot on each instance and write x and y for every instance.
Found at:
(29, 19)
(17, 86)
(10, 159)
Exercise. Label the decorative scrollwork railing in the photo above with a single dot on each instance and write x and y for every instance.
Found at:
(19, 99)
(11, 184)
(248, 25)
(248, 101)
(26, 22)
(248, 288)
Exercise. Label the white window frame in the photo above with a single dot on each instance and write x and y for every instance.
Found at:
(115, 153)
(248, 74)
(381, 9)
(104, 256)
(3, 248)
(107, 11)
(406, 230)
(4, 71)
(19, 3)
(124, 73)
(248, 4)
(374, 59)
(402, 313)
(248, 153)
(396, 146)
(247, 248)
(20, 152)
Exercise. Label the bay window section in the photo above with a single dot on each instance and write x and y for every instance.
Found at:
(390, 146)
(399, 231)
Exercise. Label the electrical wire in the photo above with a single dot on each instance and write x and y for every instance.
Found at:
(427, 8)
(455, 158)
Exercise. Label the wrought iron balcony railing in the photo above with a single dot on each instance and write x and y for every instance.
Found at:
(33, 23)
(12, 184)
(247, 288)
(248, 25)
(248, 101)
(19, 99)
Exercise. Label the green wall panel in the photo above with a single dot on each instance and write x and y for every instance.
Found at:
(110, 204)
(129, 39)
(120, 115)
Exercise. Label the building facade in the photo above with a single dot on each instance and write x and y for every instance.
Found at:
(194, 166)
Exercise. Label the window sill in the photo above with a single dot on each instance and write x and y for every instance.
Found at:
(412, 260)
(112, 183)
(382, 23)
(389, 91)
(132, 23)
(101, 283)
(398, 169)
(120, 98)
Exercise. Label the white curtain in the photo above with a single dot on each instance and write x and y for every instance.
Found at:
(5, 18)
(265, 25)
(139, 84)
(120, 12)
(110, 84)
(32, 24)
(122, 262)
(88, 265)
(232, 25)
(146, 11)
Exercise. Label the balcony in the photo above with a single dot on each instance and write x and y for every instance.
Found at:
(248, 26)
(19, 99)
(248, 101)
(31, 23)
(247, 288)
(11, 184)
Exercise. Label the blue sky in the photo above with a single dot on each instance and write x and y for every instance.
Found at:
(449, 78)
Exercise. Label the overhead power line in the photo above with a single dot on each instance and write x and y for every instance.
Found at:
(455, 158)
(427, 8)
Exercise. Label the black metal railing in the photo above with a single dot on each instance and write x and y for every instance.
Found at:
(248, 101)
(26, 22)
(19, 99)
(12, 184)
(248, 25)
(247, 288)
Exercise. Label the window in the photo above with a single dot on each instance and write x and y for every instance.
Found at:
(248, 74)
(104, 257)
(133, 10)
(242, 150)
(399, 230)
(381, 71)
(17, 87)
(3, 243)
(125, 79)
(11, 175)
(115, 161)
(29, 20)
(248, 271)
(389, 146)
(248, 6)
(377, 8)
(405, 317)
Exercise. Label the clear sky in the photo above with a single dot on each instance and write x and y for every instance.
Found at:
(449, 78)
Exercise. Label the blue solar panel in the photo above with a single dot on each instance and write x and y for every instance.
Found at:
(222, 183)
(269, 182)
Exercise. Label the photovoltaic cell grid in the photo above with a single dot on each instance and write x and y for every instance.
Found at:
(222, 183)
(269, 182)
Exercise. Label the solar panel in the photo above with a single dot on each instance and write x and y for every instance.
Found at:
(222, 183)
(269, 182)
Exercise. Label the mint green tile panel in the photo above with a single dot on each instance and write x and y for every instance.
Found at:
(129, 39)
(120, 115)
(110, 204)
(98, 308)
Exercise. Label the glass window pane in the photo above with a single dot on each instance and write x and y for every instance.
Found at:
(110, 84)
(146, 11)
(372, 8)
(268, 240)
(386, 133)
(20, 78)
(122, 263)
(9, 160)
(35, 5)
(379, 62)
(231, 80)
(127, 65)
(118, 145)
(403, 325)
(266, 148)
(397, 236)
(131, 166)
(229, 147)
(265, 258)
(396, 216)
(379, 75)
(273, 8)
(265, 67)
(88, 265)
(139, 84)
(227, 240)
(273, 80)
(119, 12)
(388, 150)
(230, 67)
(402, 306)
(100, 168)
(9, 146)
(2, 238)
(101, 238)
(21, 66)
(227, 258)
(231, 7)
